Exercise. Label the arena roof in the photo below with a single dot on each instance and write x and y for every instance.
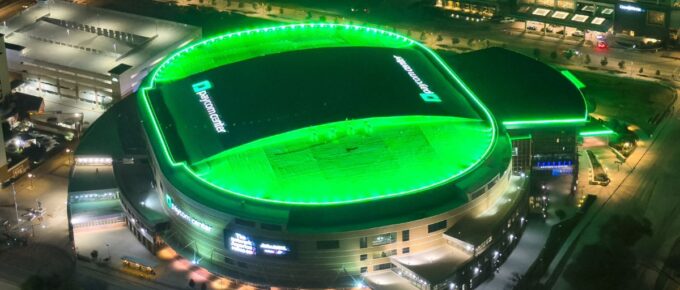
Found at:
(521, 91)
(313, 114)
(91, 39)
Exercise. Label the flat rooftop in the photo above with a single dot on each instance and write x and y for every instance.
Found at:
(436, 264)
(92, 39)
(344, 114)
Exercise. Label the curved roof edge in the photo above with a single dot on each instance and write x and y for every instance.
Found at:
(526, 93)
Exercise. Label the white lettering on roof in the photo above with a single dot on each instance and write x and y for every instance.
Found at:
(427, 95)
(218, 124)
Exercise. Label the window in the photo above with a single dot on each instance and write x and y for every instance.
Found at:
(327, 245)
(406, 250)
(363, 269)
(241, 222)
(363, 242)
(384, 239)
(384, 254)
(656, 17)
(436, 226)
(363, 257)
(271, 227)
(382, 267)
(405, 235)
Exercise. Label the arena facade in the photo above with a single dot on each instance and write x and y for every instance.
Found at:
(315, 156)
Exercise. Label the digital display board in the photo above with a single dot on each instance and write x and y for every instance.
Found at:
(244, 244)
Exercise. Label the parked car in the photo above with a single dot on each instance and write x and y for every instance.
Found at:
(578, 33)
(533, 28)
(507, 20)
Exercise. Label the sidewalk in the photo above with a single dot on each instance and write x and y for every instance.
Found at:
(527, 250)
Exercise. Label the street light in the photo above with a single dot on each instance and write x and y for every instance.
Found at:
(108, 249)
(30, 179)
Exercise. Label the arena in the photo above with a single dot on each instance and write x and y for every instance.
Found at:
(316, 156)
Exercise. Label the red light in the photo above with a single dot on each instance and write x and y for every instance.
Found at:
(601, 44)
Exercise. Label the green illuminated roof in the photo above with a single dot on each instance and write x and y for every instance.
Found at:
(350, 160)
(313, 114)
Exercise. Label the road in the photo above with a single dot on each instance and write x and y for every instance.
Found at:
(649, 189)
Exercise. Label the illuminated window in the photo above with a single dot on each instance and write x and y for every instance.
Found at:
(656, 17)
(384, 239)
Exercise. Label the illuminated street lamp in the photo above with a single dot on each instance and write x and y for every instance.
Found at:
(30, 180)
(68, 156)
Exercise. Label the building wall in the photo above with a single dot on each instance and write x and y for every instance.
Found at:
(307, 264)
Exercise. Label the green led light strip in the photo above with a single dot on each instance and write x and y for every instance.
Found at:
(521, 137)
(544, 122)
(597, 133)
(165, 154)
(574, 80)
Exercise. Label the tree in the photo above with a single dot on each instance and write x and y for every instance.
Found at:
(658, 72)
(439, 37)
(322, 18)
(587, 59)
(560, 214)
(241, 4)
(604, 61)
(192, 283)
(94, 254)
(610, 262)
(408, 33)
(642, 70)
(537, 53)
(254, 6)
(309, 14)
(622, 64)
(455, 41)
(553, 55)
(269, 8)
(213, 2)
(33, 282)
(228, 3)
(422, 35)
(280, 10)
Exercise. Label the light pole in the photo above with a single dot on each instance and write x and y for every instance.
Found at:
(108, 249)
(68, 156)
(30, 180)
(16, 207)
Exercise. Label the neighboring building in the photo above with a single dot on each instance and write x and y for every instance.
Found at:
(647, 23)
(357, 155)
(92, 55)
